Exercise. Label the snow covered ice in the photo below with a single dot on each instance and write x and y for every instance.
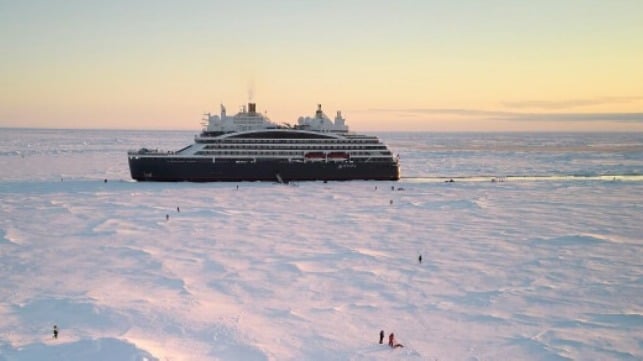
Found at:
(531, 268)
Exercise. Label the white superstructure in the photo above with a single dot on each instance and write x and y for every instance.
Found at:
(321, 123)
(248, 119)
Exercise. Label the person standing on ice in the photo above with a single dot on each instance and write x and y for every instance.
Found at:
(55, 331)
(381, 337)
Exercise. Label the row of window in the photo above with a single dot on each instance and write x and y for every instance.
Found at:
(289, 141)
(294, 147)
(279, 153)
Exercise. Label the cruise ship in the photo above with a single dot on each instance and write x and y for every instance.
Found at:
(250, 147)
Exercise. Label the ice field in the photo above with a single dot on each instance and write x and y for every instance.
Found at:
(543, 263)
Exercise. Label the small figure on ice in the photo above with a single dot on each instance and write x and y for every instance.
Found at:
(55, 331)
(392, 342)
(381, 337)
(420, 259)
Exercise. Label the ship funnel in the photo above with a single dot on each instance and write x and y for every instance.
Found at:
(252, 108)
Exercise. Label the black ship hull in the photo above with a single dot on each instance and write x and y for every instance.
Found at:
(198, 169)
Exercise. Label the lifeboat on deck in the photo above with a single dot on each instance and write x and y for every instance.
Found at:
(337, 156)
(315, 156)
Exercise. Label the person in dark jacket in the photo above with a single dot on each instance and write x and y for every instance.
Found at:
(381, 337)
(55, 331)
(392, 343)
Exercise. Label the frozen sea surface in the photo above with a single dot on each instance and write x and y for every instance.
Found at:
(543, 265)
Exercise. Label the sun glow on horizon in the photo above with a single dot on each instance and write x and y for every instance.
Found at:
(410, 66)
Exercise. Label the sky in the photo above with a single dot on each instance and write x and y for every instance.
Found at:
(388, 65)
